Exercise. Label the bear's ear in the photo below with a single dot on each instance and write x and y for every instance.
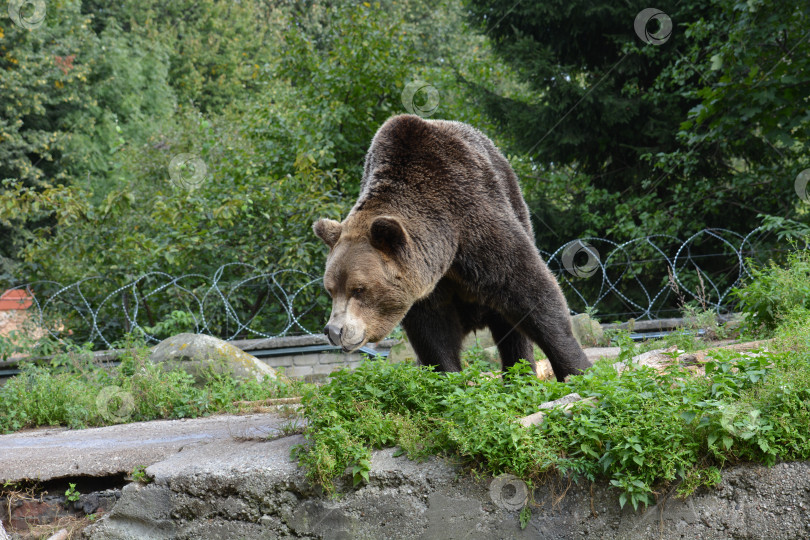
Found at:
(388, 235)
(327, 230)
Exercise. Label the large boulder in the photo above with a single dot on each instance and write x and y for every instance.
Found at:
(482, 338)
(198, 353)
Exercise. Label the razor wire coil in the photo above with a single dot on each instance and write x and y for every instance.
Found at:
(694, 268)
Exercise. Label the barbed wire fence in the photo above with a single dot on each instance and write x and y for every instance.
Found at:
(643, 278)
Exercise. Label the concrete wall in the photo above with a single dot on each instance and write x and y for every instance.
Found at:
(319, 365)
(313, 366)
(302, 364)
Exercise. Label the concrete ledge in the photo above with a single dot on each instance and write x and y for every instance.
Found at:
(220, 477)
(254, 490)
(51, 453)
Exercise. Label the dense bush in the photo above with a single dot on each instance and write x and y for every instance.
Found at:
(280, 119)
(279, 100)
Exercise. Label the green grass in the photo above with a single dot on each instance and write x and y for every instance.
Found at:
(77, 392)
(650, 432)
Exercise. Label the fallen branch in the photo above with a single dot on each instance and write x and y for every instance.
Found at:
(660, 358)
(268, 402)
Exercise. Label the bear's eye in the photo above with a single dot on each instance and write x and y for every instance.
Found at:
(357, 292)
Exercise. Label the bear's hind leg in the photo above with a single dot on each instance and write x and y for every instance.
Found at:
(526, 294)
(435, 332)
(537, 307)
(512, 344)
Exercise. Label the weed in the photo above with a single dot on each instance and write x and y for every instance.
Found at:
(71, 495)
(175, 323)
(478, 357)
(525, 516)
(774, 292)
(699, 477)
(698, 319)
(138, 474)
(7, 346)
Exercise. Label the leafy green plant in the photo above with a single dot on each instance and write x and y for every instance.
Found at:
(477, 356)
(66, 391)
(177, 322)
(774, 291)
(7, 346)
(698, 318)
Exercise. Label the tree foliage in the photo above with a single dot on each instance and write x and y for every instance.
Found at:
(631, 138)
(279, 101)
(281, 132)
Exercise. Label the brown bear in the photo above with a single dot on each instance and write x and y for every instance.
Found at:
(440, 240)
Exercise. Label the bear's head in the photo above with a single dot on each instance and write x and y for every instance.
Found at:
(366, 278)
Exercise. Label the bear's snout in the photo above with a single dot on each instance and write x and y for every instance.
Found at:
(347, 336)
(333, 333)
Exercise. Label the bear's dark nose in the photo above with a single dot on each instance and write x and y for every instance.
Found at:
(333, 333)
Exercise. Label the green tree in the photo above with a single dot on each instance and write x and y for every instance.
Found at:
(212, 45)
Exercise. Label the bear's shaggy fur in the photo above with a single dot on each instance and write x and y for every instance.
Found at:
(440, 239)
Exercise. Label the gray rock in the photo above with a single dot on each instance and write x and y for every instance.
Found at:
(491, 354)
(402, 351)
(565, 400)
(587, 331)
(197, 353)
(482, 337)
